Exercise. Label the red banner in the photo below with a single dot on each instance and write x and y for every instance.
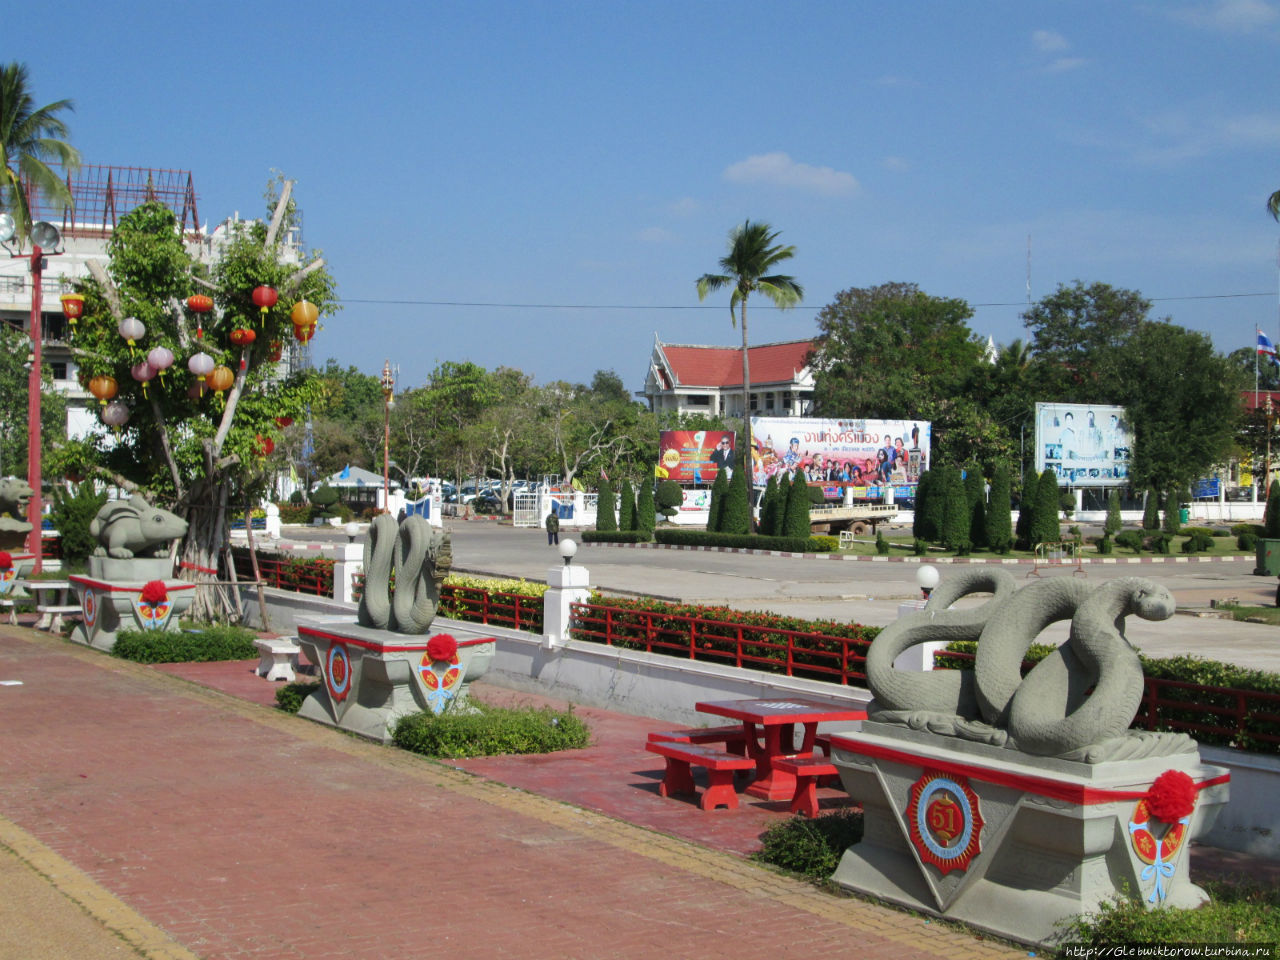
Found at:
(693, 456)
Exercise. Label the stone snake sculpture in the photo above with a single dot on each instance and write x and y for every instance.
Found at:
(421, 556)
(934, 699)
(1077, 703)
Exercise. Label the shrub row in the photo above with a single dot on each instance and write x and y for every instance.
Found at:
(289, 697)
(487, 731)
(701, 538)
(617, 536)
(213, 642)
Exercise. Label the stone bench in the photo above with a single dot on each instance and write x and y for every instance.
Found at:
(720, 768)
(279, 658)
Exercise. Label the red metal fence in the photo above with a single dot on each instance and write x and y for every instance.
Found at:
(772, 649)
(514, 610)
(1227, 716)
(312, 576)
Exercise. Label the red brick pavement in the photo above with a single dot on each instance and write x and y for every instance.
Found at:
(244, 833)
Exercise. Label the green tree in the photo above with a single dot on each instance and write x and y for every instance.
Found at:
(15, 348)
(753, 251)
(73, 511)
(929, 508)
(1151, 510)
(668, 497)
(606, 519)
(719, 490)
(1047, 527)
(203, 455)
(736, 517)
(1026, 526)
(955, 515)
(1252, 367)
(1000, 511)
(1172, 521)
(627, 507)
(1077, 336)
(1271, 513)
(646, 517)
(796, 522)
(976, 497)
(769, 507)
(1114, 522)
(31, 138)
(1186, 398)
(775, 521)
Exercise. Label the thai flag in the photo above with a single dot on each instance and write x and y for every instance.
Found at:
(1264, 345)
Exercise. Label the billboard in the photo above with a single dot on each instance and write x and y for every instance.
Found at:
(867, 455)
(694, 456)
(1085, 444)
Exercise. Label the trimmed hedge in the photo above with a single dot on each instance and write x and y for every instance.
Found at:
(488, 731)
(289, 697)
(207, 644)
(617, 536)
(702, 538)
(812, 848)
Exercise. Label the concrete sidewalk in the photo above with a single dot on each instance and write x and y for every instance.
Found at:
(189, 822)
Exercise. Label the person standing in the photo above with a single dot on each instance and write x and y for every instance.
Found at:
(553, 528)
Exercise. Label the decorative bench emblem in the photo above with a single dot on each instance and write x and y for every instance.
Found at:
(440, 671)
(89, 607)
(337, 673)
(152, 608)
(944, 821)
(1165, 811)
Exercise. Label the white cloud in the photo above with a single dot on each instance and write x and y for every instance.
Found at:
(780, 170)
(895, 164)
(1049, 41)
(1182, 134)
(1230, 16)
(655, 235)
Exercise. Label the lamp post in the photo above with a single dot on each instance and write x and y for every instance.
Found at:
(388, 397)
(43, 236)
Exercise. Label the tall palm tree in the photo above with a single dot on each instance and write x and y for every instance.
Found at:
(30, 138)
(752, 253)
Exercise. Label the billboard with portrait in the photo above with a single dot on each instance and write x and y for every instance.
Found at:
(694, 456)
(1085, 444)
(867, 455)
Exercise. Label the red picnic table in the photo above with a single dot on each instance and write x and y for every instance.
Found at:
(778, 719)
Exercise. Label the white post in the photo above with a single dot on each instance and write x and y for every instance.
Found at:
(348, 561)
(566, 585)
(273, 521)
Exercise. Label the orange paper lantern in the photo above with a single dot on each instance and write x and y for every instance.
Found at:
(221, 378)
(242, 336)
(103, 387)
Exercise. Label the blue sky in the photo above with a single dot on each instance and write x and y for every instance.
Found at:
(592, 156)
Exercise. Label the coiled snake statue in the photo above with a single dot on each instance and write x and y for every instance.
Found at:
(1075, 704)
(422, 557)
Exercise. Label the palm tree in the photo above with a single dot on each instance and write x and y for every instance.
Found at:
(30, 139)
(752, 252)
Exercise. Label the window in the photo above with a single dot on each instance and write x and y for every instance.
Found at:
(59, 369)
(754, 401)
(698, 400)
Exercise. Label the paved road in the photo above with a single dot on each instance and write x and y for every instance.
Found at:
(866, 591)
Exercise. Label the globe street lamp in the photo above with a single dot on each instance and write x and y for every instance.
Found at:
(388, 397)
(44, 239)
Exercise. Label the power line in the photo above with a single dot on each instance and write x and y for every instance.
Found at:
(763, 306)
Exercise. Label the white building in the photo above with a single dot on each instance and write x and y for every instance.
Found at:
(705, 379)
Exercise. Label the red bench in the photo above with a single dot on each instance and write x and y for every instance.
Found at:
(720, 767)
(732, 735)
(807, 771)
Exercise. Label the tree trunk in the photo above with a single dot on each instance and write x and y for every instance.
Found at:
(748, 463)
(207, 538)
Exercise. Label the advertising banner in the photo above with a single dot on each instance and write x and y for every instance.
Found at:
(867, 455)
(1085, 444)
(693, 456)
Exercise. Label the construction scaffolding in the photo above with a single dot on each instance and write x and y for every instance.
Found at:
(103, 194)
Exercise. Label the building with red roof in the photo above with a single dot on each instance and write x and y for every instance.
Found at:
(690, 378)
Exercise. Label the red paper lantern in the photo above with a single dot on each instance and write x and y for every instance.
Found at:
(265, 445)
(284, 421)
(265, 297)
(72, 307)
(277, 351)
(199, 303)
(243, 336)
(304, 334)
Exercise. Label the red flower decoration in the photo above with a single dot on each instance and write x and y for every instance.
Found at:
(1172, 796)
(154, 593)
(442, 647)
(6, 561)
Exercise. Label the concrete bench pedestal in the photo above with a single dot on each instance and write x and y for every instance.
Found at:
(279, 658)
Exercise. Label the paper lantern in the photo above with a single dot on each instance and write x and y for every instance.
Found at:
(304, 334)
(142, 372)
(243, 336)
(284, 421)
(201, 364)
(304, 313)
(221, 378)
(116, 415)
(132, 329)
(72, 307)
(265, 297)
(160, 358)
(199, 304)
(265, 445)
(197, 390)
(277, 351)
(103, 387)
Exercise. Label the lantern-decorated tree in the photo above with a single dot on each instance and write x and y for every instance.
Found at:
(197, 391)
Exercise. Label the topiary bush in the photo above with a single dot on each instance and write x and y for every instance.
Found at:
(72, 514)
(289, 697)
(1104, 545)
(1130, 540)
(1248, 542)
(617, 536)
(325, 501)
(488, 731)
(208, 643)
(1198, 541)
(811, 847)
